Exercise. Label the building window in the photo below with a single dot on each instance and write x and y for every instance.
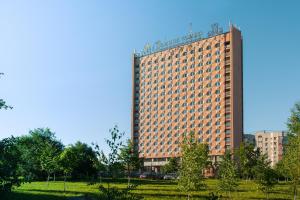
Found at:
(217, 76)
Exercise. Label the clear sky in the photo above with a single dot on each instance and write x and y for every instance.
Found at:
(67, 63)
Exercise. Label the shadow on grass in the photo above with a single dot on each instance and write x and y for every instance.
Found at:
(138, 181)
(28, 196)
(57, 191)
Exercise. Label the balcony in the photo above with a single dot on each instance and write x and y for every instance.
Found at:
(227, 102)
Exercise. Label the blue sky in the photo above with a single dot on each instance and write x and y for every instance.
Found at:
(67, 64)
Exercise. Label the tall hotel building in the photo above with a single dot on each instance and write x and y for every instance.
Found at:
(190, 86)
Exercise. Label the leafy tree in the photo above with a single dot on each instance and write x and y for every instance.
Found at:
(280, 170)
(172, 166)
(35, 157)
(291, 158)
(266, 177)
(129, 158)
(79, 160)
(228, 179)
(247, 157)
(85, 164)
(293, 123)
(194, 161)
(49, 159)
(9, 160)
(66, 162)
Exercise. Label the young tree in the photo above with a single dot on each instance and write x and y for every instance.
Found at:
(293, 123)
(228, 179)
(247, 157)
(129, 157)
(266, 177)
(112, 163)
(112, 160)
(194, 161)
(291, 158)
(172, 166)
(49, 159)
(66, 162)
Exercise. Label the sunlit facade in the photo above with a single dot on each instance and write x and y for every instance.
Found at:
(195, 87)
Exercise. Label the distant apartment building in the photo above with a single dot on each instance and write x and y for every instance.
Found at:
(190, 84)
(271, 144)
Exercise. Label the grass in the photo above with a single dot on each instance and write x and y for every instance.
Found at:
(150, 189)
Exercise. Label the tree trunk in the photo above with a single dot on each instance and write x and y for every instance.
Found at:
(48, 179)
(295, 192)
(65, 182)
(128, 171)
(108, 190)
(54, 177)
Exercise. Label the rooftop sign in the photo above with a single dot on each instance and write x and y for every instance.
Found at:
(189, 38)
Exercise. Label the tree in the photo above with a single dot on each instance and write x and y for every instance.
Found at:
(266, 177)
(35, 157)
(112, 163)
(3, 105)
(247, 157)
(194, 161)
(228, 180)
(172, 166)
(291, 158)
(112, 160)
(129, 158)
(9, 161)
(79, 160)
(293, 123)
(85, 163)
(49, 159)
(66, 162)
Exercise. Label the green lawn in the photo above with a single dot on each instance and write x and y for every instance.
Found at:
(150, 189)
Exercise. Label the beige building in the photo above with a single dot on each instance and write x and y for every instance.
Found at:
(271, 143)
(189, 84)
